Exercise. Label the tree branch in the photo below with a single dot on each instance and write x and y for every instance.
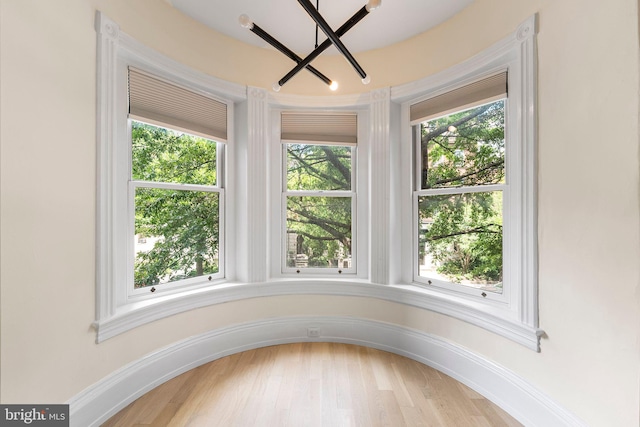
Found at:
(312, 237)
(483, 229)
(325, 225)
(466, 175)
(315, 172)
(333, 159)
(442, 129)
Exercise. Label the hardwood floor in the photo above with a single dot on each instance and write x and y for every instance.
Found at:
(312, 384)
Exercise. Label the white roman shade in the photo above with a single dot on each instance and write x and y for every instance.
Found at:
(156, 101)
(319, 128)
(481, 92)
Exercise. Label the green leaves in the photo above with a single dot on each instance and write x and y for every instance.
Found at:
(460, 233)
(181, 227)
(162, 155)
(318, 226)
(464, 149)
(323, 225)
(318, 167)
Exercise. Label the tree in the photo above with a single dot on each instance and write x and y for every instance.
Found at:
(184, 224)
(323, 221)
(462, 232)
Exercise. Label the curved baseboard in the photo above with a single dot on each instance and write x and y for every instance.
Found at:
(520, 399)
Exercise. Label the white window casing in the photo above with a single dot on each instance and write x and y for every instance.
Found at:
(318, 127)
(118, 306)
(514, 313)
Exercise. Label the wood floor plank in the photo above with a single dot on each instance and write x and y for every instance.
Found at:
(165, 416)
(399, 387)
(312, 384)
(494, 414)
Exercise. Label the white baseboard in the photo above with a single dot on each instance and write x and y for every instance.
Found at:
(516, 396)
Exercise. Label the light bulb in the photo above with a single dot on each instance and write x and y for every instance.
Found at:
(245, 21)
(373, 5)
(333, 86)
(366, 80)
(276, 87)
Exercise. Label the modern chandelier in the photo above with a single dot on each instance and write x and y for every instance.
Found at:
(333, 37)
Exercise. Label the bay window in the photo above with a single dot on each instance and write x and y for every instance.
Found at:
(422, 194)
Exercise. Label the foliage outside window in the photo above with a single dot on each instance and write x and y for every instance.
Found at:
(460, 199)
(177, 201)
(319, 202)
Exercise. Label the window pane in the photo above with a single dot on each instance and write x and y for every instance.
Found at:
(319, 232)
(176, 235)
(464, 148)
(318, 167)
(460, 239)
(165, 155)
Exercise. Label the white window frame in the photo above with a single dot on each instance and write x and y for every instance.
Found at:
(123, 155)
(358, 194)
(320, 193)
(507, 217)
(134, 294)
(118, 306)
(514, 314)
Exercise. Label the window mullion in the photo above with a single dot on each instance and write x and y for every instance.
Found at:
(462, 190)
(319, 193)
(173, 186)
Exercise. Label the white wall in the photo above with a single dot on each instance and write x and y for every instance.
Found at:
(589, 238)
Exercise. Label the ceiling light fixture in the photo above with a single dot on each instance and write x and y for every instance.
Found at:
(333, 37)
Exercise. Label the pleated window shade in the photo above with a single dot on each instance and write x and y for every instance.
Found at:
(316, 128)
(481, 92)
(155, 101)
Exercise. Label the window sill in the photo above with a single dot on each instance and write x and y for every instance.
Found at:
(494, 318)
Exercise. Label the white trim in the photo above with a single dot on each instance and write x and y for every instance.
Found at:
(380, 186)
(469, 310)
(516, 54)
(456, 289)
(511, 392)
(358, 193)
(175, 186)
(331, 102)
(253, 255)
(350, 194)
(461, 190)
(115, 52)
(254, 194)
(106, 130)
(320, 193)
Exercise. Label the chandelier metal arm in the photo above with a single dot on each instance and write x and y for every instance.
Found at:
(335, 39)
(357, 17)
(287, 52)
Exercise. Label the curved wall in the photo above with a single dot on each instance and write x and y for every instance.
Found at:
(588, 194)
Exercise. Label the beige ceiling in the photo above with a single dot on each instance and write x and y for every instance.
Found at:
(287, 21)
